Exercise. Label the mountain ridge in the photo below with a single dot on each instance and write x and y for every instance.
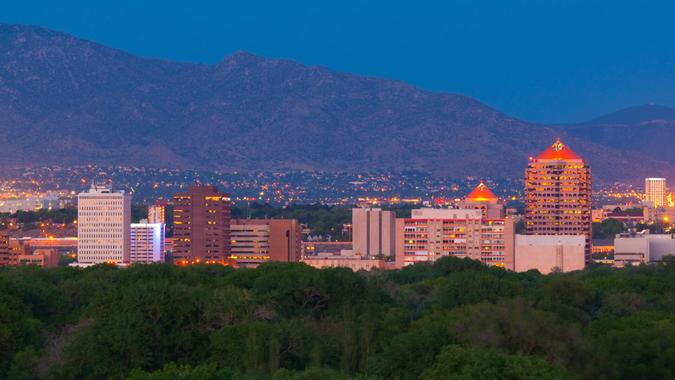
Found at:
(636, 115)
(82, 102)
(647, 130)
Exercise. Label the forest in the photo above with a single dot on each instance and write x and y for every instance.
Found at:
(453, 319)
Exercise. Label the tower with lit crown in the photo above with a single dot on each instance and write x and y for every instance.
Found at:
(558, 194)
(481, 197)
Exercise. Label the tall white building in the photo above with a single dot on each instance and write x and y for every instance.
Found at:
(373, 232)
(655, 191)
(147, 242)
(103, 223)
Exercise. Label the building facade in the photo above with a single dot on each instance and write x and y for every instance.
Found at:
(478, 230)
(45, 258)
(157, 212)
(103, 222)
(549, 253)
(558, 195)
(5, 250)
(430, 234)
(314, 248)
(642, 248)
(655, 191)
(201, 219)
(255, 241)
(147, 242)
(355, 263)
(373, 232)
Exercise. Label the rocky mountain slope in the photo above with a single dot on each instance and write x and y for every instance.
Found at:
(68, 101)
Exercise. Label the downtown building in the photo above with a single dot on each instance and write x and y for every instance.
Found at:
(373, 243)
(157, 212)
(201, 220)
(255, 241)
(636, 248)
(656, 192)
(6, 256)
(373, 232)
(147, 242)
(479, 230)
(103, 223)
(558, 195)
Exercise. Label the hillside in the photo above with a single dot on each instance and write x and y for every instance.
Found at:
(68, 101)
(647, 130)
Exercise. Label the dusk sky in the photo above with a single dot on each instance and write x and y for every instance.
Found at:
(539, 60)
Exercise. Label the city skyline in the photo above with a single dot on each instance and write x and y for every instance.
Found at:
(337, 190)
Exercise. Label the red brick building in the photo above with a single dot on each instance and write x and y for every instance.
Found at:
(201, 218)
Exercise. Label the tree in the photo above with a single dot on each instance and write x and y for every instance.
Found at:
(457, 362)
(607, 229)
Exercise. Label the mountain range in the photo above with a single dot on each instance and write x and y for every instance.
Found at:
(68, 101)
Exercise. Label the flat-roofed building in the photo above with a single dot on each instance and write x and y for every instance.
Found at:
(103, 221)
(157, 212)
(6, 257)
(642, 248)
(255, 241)
(314, 248)
(147, 242)
(355, 263)
(656, 191)
(430, 234)
(373, 232)
(549, 253)
(201, 219)
(45, 258)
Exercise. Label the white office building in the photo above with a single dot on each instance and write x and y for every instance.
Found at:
(103, 223)
(147, 242)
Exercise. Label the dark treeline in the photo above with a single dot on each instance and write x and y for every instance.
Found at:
(63, 215)
(452, 319)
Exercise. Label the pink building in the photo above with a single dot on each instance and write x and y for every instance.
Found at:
(549, 253)
(478, 230)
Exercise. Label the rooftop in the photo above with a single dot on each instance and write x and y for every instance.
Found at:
(558, 151)
(481, 194)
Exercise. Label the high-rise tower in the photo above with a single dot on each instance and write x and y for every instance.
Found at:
(201, 219)
(103, 219)
(655, 191)
(558, 194)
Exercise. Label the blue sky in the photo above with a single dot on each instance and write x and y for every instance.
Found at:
(539, 60)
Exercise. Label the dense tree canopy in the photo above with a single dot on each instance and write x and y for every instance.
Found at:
(607, 229)
(451, 319)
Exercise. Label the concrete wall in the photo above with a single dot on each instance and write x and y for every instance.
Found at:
(547, 253)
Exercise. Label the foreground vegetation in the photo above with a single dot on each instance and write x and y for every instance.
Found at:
(453, 319)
